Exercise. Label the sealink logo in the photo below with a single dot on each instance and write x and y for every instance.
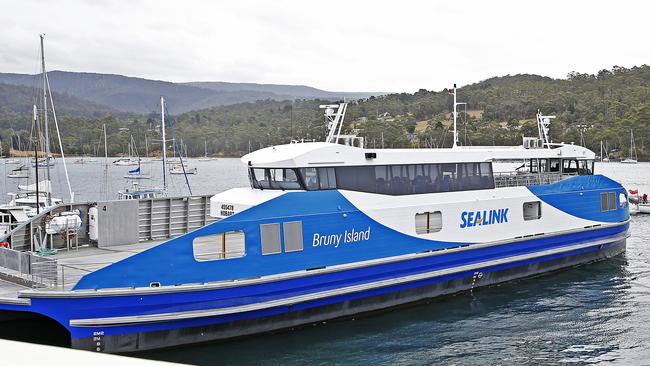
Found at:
(485, 217)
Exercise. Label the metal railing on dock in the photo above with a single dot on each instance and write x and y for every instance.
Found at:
(28, 269)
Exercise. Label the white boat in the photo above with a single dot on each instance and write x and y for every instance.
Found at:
(20, 172)
(125, 162)
(85, 160)
(632, 158)
(138, 192)
(12, 161)
(182, 169)
(43, 162)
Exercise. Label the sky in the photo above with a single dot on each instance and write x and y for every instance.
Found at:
(387, 46)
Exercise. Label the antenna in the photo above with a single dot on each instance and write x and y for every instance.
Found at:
(334, 115)
(456, 104)
(542, 128)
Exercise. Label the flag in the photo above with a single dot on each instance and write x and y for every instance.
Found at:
(136, 170)
(632, 191)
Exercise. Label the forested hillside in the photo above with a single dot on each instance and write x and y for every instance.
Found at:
(500, 110)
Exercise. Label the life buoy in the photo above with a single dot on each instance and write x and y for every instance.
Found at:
(4, 244)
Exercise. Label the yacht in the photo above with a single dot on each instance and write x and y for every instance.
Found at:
(327, 230)
(632, 158)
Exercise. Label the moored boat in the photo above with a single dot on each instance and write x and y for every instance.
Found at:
(327, 230)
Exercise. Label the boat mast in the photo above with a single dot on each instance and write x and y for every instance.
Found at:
(105, 163)
(455, 113)
(38, 203)
(47, 134)
(164, 142)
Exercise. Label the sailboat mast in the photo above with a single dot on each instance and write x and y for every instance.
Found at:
(164, 142)
(38, 203)
(47, 134)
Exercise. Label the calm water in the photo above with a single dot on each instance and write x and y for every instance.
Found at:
(595, 313)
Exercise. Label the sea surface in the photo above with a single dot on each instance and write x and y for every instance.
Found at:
(596, 313)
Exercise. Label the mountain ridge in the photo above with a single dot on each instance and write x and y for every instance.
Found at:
(139, 95)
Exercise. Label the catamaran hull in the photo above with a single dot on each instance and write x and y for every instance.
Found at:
(182, 332)
(134, 320)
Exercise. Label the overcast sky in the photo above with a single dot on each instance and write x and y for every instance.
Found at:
(334, 45)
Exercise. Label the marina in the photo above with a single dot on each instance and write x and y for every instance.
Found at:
(263, 184)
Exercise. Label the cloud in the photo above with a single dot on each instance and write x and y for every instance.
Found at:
(338, 45)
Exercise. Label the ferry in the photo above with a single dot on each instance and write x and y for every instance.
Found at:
(332, 230)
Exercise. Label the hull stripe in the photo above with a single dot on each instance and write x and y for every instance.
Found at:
(130, 291)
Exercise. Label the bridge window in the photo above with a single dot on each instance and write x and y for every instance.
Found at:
(226, 245)
(275, 178)
(532, 210)
(270, 235)
(428, 222)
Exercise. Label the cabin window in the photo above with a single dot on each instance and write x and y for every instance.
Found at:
(554, 165)
(292, 236)
(543, 165)
(416, 178)
(604, 206)
(326, 178)
(612, 200)
(225, 245)
(532, 210)
(428, 222)
(585, 167)
(319, 178)
(569, 166)
(270, 236)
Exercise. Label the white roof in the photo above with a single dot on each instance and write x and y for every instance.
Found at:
(328, 154)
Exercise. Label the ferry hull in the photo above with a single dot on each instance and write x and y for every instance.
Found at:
(273, 319)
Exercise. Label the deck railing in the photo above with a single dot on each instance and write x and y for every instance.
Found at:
(518, 179)
(28, 268)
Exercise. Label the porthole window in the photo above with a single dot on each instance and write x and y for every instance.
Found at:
(532, 210)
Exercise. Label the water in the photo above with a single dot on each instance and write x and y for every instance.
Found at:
(591, 314)
(89, 181)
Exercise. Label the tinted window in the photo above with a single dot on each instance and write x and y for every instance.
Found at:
(416, 178)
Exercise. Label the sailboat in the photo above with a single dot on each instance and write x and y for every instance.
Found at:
(138, 192)
(205, 152)
(603, 149)
(20, 172)
(632, 158)
(137, 173)
(32, 198)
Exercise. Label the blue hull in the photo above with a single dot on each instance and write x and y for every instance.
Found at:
(129, 322)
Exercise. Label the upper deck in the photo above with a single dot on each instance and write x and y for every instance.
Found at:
(309, 154)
